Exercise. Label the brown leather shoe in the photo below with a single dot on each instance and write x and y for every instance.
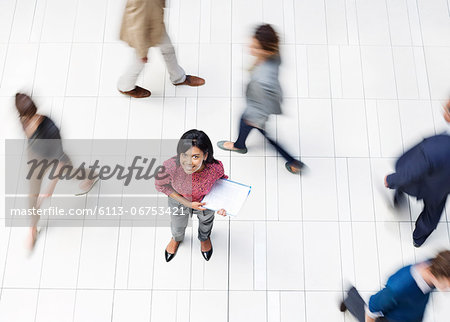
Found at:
(137, 92)
(192, 81)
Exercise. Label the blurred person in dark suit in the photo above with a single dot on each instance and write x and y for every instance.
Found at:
(424, 172)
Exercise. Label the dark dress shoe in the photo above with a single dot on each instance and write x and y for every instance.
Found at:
(137, 92)
(193, 81)
(169, 256)
(207, 255)
(294, 167)
(342, 307)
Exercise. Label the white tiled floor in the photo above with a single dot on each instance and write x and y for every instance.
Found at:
(363, 80)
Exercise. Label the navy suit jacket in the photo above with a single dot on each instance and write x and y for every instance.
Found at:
(424, 170)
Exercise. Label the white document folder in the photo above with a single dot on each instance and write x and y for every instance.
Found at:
(228, 195)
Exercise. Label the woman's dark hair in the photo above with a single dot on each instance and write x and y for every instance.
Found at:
(268, 38)
(440, 265)
(198, 139)
(25, 105)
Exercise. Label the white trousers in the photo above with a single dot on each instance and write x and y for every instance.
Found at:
(127, 81)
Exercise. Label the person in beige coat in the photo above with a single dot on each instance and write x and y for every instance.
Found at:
(143, 27)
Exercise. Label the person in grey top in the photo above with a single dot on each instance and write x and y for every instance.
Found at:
(264, 95)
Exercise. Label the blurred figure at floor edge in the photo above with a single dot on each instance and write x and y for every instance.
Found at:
(424, 172)
(406, 294)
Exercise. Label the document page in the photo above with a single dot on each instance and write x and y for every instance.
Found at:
(228, 195)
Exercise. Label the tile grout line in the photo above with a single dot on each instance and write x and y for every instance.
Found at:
(266, 236)
(305, 315)
(1, 83)
(334, 159)
(367, 136)
(230, 157)
(8, 44)
(161, 138)
(93, 135)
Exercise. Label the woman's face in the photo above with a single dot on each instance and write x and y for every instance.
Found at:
(192, 160)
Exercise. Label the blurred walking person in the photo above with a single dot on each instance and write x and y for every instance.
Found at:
(44, 143)
(406, 294)
(424, 172)
(264, 95)
(142, 28)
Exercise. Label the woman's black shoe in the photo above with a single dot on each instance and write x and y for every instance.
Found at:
(207, 255)
(168, 255)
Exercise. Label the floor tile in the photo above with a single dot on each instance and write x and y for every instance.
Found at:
(55, 305)
(373, 23)
(319, 183)
(133, 305)
(93, 305)
(321, 243)
(19, 69)
(98, 258)
(217, 76)
(434, 22)
(417, 121)
(292, 306)
(316, 301)
(311, 26)
(366, 256)
(12, 308)
(84, 70)
(284, 272)
(247, 305)
(59, 21)
(316, 128)
(351, 72)
(399, 23)
(350, 137)
(378, 72)
(438, 70)
(7, 17)
(61, 257)
(51, 70)
(90, 21)
(205, 304)
(241, 257)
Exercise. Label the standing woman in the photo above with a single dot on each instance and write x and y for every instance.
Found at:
(38, 129)
(188, 177)
(264, 95)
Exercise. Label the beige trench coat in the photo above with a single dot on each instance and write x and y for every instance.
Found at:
(143, 24)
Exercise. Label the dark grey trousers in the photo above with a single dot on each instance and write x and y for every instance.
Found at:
(180, 219)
